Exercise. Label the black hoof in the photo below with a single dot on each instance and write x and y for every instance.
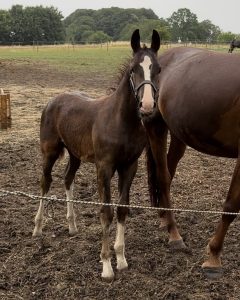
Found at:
(213, 273)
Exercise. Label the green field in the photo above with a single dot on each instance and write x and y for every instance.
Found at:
(77, 59)
(82, 60)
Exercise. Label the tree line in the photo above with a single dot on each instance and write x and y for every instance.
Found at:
(47, 25)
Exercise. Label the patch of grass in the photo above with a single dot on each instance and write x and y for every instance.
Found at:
(68, 58)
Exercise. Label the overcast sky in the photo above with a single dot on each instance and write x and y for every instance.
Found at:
(223, 13)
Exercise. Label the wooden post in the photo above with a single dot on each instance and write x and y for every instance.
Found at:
(5, 109)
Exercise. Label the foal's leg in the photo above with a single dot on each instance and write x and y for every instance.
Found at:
(126, 175)
(104, 175)
(175, 153)
(49, 159)
(232, 204)
(71, 169)
(157, 134)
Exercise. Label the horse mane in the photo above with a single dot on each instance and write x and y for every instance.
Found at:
(122, 69)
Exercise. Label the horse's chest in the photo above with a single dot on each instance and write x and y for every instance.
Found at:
(123, 147)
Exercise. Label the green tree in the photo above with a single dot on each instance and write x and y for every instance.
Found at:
(98, 37)
(36, 23)
(5, 28)
(183, 24)
(85, 35)
(77, 15)
(146, 28)
(207, 31)
(77, 23)
(113, 20)
(226, 37)
(75, 33)
(17, 23)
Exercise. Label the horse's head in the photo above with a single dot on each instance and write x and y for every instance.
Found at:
(144, 72)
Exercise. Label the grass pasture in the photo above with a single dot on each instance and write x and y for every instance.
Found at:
(83, 59)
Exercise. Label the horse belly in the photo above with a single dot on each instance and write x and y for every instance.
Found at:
(81, 147)
(213, 146)
(220, 139)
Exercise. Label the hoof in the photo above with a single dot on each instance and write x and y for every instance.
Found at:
(177, 245)
(37, 233)
(108, 279)
(163, 227)
(122, 268)
(73, 232)
(213, 272)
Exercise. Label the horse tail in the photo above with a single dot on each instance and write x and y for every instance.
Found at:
(152, 178)
(61, 153)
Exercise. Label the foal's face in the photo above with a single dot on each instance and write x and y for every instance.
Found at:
(145, 80)
(145, 72)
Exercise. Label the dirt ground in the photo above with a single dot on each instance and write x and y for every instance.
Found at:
(58, 266)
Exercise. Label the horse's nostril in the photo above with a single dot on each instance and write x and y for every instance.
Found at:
(140, 104)
(154, 105)
(145, 112)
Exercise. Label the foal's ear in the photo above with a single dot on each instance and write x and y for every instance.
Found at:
(155, 45)
(135, 41)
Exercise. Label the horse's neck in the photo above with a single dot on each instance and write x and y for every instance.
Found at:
(125, 100)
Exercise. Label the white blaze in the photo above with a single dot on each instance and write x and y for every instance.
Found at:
(147, 99)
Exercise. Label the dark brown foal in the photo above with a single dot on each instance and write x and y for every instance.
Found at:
(107, 132)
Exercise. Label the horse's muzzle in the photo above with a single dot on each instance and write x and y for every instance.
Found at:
(146, 110)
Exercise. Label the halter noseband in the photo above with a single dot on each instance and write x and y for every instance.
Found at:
(136, 89)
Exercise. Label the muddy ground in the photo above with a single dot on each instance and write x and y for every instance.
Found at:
(58, 266)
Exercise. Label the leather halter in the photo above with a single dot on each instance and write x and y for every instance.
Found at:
(136, 89)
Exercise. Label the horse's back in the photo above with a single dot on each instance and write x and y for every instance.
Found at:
(71, 107)
(68, 119)
(200, 99)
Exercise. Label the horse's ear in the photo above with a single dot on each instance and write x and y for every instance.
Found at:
(156, 41)
(135, 41)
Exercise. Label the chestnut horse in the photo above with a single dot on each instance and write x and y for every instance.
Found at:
(106, 131)
(199, 102)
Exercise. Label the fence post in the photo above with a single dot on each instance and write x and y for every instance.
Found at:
(5, 109)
